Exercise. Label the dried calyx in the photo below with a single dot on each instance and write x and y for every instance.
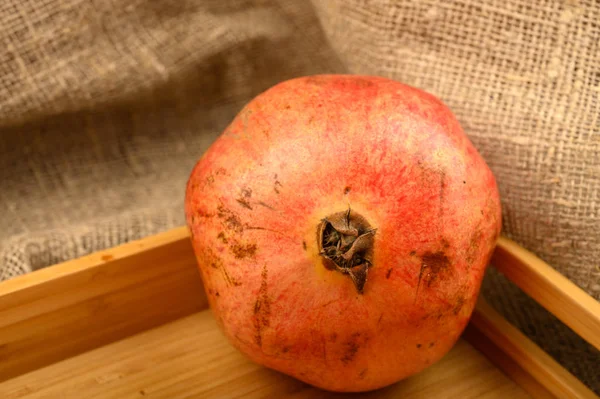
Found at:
(346, 244)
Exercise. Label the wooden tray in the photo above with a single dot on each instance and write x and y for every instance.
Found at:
(133, 322)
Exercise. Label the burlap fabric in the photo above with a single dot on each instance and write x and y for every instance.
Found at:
(105, 106)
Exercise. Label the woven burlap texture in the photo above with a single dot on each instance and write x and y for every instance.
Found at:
(105, 106)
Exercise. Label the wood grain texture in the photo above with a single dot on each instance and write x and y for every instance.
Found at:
(549, 288)
(190, 358)
(58, 312)
(505, 363)
(520, 358)
(63, 311)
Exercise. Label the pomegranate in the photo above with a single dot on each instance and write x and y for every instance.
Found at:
(342, 225)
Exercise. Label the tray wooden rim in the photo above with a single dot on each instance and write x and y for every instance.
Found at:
(75, 286)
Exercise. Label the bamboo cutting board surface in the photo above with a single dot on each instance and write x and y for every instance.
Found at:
(190, 358)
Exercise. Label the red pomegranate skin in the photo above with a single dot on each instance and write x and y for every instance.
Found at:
(314, 146)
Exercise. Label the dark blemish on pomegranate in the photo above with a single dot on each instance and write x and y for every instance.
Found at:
(388, 274)
(347, 190)
(419, 345)
(210, 291)
(217, 293)
(230, 280)
(459, 304)
(350, 351)
(431, 344)
(107, 257)
(248, 227)
(475, 240)
(262, 308)
(481, 212)
(437, 263)
(464, 182)
(473, 248)
(288, 106)
(223, 212)
(142, 392)
(245, 195)
(241, 251)
(265, 205)
(304, 245)
(233, 223)
(244, 203)
(442, 193)
(379, 320)
(434, 266)
(330, 302)
(345, 241)
(445, 243)
(222, 237)
(202, 214)
(210, 180)
(221, 171)
(216, 263)
(277, 183)
(362, 374)
(351, 347)
(333, 337)
(430, 176)
(413, 253)
(230, 219)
